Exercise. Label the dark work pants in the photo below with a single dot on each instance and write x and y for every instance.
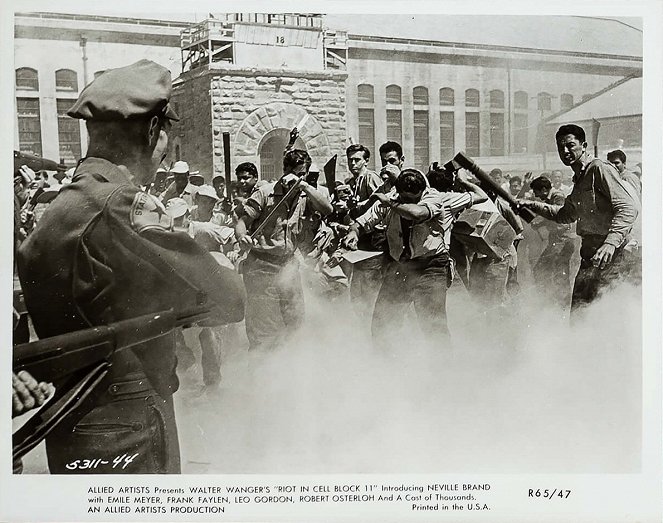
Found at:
(274, 301)
(422, 282)
(131, 430)
(591, 281)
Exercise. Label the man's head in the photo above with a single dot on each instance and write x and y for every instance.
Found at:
(392, 153)
(618, 159)
(496, 174)
(556, 178)
(571, 144)
(180, 172)
(128, 117)
(410, 185)
(541, 187)
(358, 157)
(440, 178)
(247, 177)
(219, 185)
(515, 185)
(205, 198)
(296, 163)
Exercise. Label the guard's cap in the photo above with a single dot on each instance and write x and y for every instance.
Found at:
(140, 89)
(206, 190)
(218, 176)
(176, 207)
(180, 167)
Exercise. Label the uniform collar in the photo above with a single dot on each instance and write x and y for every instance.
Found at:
(101, 167)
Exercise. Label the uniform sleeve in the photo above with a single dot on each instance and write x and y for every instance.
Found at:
(625, 206)
(185, 275)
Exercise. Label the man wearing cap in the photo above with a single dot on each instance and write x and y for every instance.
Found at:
(106, 252)
(180, 184)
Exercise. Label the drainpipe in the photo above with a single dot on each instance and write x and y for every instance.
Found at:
(83, 43)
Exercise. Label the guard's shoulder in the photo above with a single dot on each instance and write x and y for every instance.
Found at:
(143, 211)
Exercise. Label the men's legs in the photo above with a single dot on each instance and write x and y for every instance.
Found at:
(210, 360)
(390, 305)
(365, 284)
(430, 301)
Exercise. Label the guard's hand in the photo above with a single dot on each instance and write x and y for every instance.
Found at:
(350, 241)
(27, 174)
(293, 135)
(603, 256)
(27, 393)
(528, 176)
(522, 204)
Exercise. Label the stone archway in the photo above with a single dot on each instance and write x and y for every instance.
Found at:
(270, 152)
(277, 116)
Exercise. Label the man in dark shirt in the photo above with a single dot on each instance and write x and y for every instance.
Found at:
(604, 209)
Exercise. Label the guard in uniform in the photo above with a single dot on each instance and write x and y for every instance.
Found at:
(106, 251)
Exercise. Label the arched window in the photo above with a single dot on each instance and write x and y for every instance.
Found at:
(566, 101)
(497, 99)
(365, 94)
(394, 95)
(544, 101)
(27, 79)
(447, 96)
(420, 96)
(66, 80)
(520, 100)
(472, 98)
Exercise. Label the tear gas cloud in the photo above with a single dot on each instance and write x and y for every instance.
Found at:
(524, 395)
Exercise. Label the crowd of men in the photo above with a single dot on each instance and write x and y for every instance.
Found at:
(126, 237)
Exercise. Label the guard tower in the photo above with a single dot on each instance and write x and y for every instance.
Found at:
(258, 75)
(205, 43)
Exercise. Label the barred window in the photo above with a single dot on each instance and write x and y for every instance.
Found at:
(394, 125)
(394, 95)
(472, 98)
(69, 133)
(365, 94)
(446, 135)
(472, 134)
(447, 96)
(497, 99)
(421, 136)
(497, 134)
(520, 133)
(27, 79)
(367, 131)
(520, 100)
(66, 80)
(544, 101)
(566, 101)
(29, 125)
(420, 96)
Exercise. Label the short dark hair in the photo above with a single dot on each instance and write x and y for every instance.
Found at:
(540, 183)
(571, 128)
(356, 147)
(390, 146)
(247, 167)
(515, 179)
(410, 181)
(617, 154)
(294, 158)
(440, 179)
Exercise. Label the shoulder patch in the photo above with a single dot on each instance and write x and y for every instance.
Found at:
(147, 212)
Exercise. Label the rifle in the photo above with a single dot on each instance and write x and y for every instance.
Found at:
(467, 163)
(82, 359)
